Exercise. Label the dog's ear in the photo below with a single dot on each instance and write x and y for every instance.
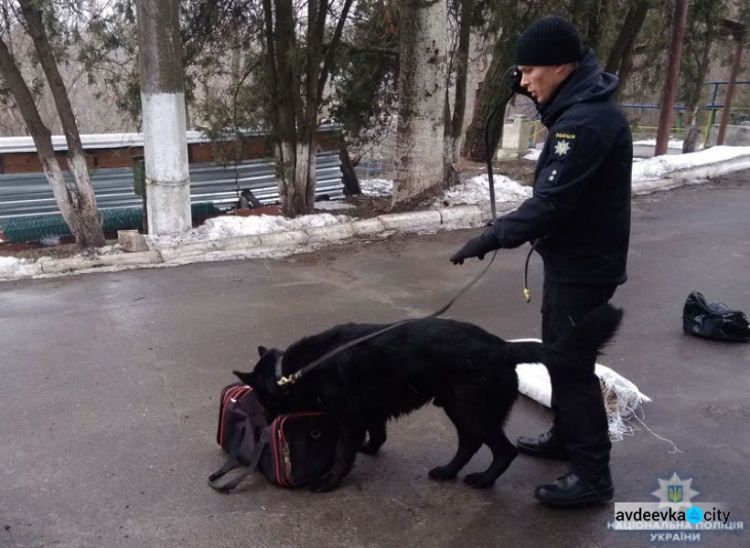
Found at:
(248, 378)
(262, 351)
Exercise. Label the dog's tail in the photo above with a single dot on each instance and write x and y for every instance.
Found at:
(579, 349)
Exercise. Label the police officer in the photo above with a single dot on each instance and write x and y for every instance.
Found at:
(579, 219)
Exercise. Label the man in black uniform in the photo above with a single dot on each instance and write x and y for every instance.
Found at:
(579, 217)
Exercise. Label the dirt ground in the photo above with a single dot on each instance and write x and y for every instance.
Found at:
(35, 250)
(364, 207)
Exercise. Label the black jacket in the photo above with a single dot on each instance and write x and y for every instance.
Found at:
(580, 207)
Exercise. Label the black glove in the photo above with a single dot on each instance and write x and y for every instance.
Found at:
(515, 84)
(476, 247)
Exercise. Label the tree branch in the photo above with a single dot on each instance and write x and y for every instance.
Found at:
(332, 46)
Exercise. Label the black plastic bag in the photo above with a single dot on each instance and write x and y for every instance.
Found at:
(714, 320)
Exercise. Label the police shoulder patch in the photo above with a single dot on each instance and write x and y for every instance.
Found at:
(562, 143)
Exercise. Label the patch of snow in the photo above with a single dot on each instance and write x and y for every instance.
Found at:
(10, 262)
(653, 168)
(477, 190)
(49, 241)
(229, 226)
(376, 187)
(533, 154)
(109, 249)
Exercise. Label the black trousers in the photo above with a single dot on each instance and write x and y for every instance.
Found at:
(577, 400)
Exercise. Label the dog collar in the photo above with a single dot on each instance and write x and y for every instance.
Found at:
(281, 380)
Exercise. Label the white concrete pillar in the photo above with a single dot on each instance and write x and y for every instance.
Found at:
(516, 135)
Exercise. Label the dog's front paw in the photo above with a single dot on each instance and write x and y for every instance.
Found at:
(480, 480)
(324, 485)
(317, 487)
(442, 473)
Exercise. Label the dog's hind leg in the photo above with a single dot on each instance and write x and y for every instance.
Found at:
(468, 442)
(503, 453)
(467, 447)
(377, 436)
(479, 410)
(350, 438)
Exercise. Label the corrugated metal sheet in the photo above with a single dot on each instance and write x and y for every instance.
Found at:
(23, 195)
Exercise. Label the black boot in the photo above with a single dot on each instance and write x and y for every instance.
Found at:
(548, 445)
(571, 491)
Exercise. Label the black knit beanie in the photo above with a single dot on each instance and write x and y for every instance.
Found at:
(549, 41)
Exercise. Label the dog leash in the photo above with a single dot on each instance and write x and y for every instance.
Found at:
(294, 377)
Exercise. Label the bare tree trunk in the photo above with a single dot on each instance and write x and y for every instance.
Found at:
(578, 10)
(295, 118)
(160, 62)
(672, 82)
(423, 58)
(587, 16)
(351, 181)
(66, 201)
(91, 233)
(454, 125)
(450, 172)
(301, 176)
(236, 66)
(597, 17)
(289, 109)
(620, 60)
(693, 134)
(490, 99)
(305, 168)
(702, 58)
(625, 70)
(310, 179)
(628, 34)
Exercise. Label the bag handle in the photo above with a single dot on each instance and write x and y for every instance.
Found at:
(232, 457)
(233, 460)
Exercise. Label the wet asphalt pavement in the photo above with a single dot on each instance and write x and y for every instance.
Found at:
(109, 389)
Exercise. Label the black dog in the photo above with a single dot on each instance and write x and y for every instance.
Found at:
(464, 369)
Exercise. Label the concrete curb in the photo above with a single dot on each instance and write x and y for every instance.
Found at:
(412, 221)
(278, 244)
(365, 227)
(330, 233)
(460, 217)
